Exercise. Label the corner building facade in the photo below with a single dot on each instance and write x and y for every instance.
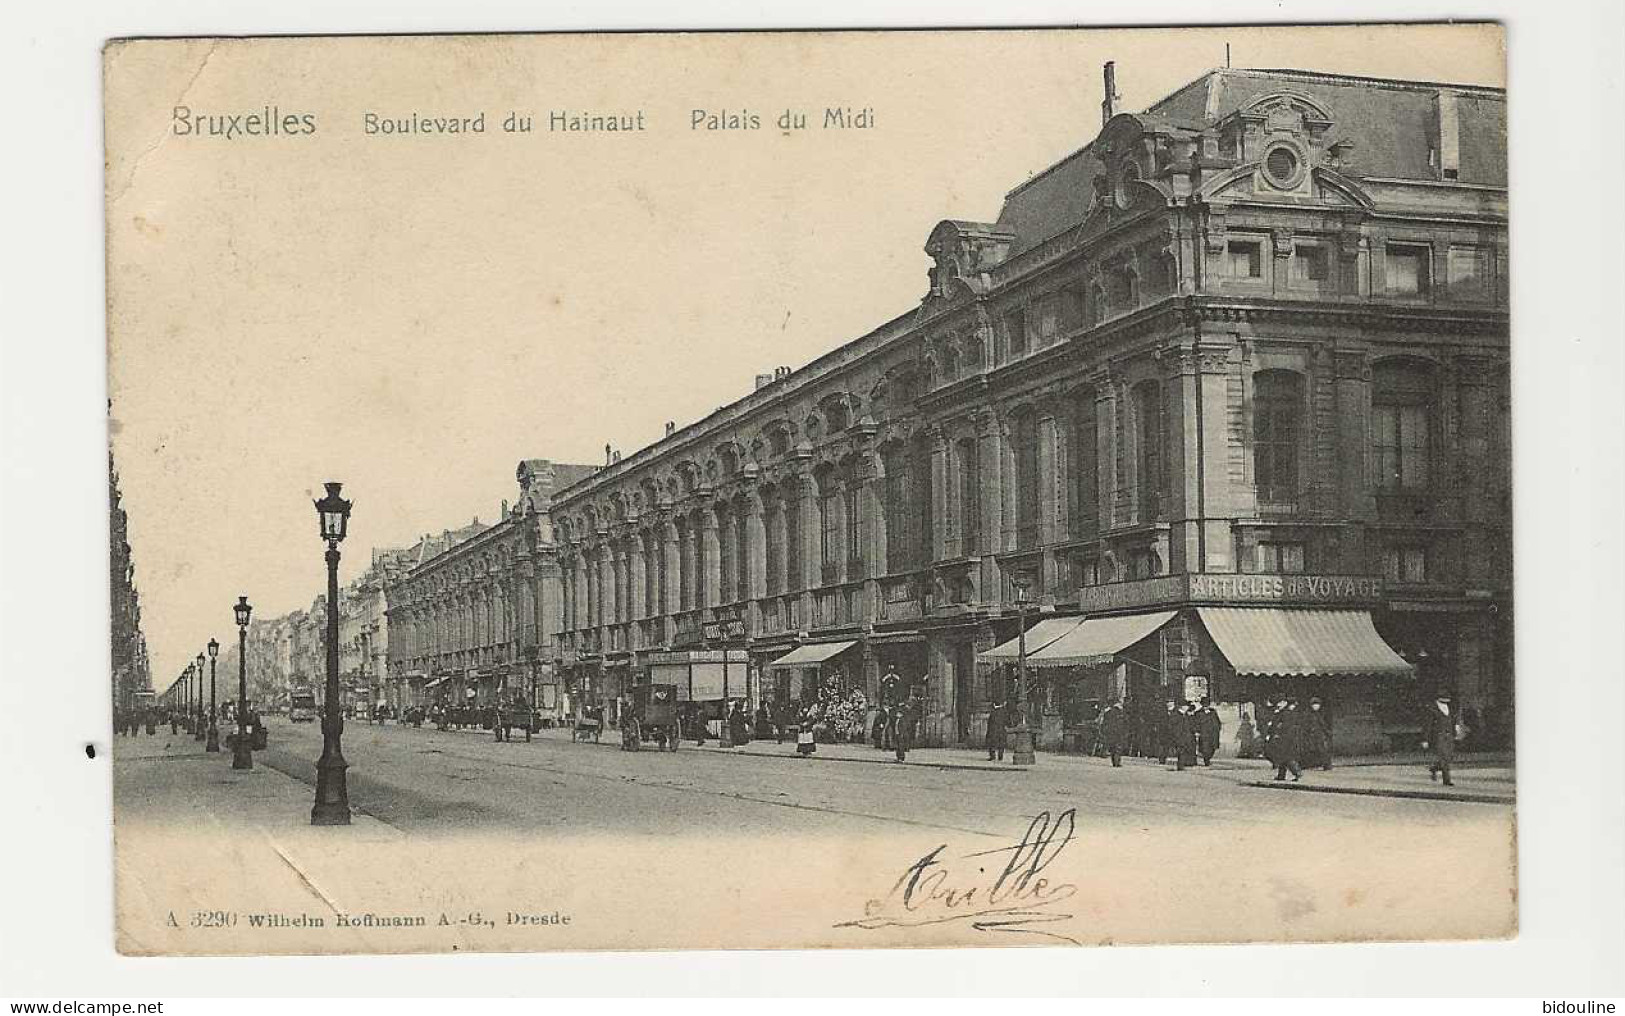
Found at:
(1238, 367)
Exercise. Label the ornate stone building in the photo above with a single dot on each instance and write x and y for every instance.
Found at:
(1223, 395)
(478, 615)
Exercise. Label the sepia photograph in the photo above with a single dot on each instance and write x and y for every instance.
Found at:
(793, 490)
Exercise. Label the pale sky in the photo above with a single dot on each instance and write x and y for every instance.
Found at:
(414, 315)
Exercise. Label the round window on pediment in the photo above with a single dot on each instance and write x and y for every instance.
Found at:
(1127, 176)
(1283, 166)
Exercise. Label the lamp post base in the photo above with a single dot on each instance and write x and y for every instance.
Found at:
(242, 756)
(1021, 747)
(197, 730)
(332, 794)
(213, 743)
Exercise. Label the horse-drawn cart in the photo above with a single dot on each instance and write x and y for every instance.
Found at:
(653, 718)
(511, 718)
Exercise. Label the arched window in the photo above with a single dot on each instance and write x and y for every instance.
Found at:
(793, 578)
(1081, 461)
(1277, 434)
(1024, 435)
(1403, 409)
(772, 519)
(1149, 432)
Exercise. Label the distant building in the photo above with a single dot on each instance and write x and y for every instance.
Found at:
(1224, 391)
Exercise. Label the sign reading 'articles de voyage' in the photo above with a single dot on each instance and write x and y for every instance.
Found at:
(1284, 589)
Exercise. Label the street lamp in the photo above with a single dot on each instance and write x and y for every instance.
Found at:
(332, 795)
(214, 729)
(202, 721)
(242, 752)
(1021, 735)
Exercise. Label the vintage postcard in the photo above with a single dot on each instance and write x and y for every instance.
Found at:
(810, 489)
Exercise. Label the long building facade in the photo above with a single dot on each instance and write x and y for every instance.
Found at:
(476, 619)
(1218, 405)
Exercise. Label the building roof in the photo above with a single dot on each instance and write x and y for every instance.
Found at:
(1389, 121)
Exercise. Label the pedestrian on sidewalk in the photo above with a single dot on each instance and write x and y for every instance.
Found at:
(1114, 731)
(998, 719)
(1440, 732)
(805, 742)
(908, 723)
(1182, 734)
(1163, 733)
(1208, 729)
(1317, 737)
(1281, 744)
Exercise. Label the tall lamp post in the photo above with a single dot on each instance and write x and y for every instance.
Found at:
(332, 795)
(242, 752)
(213, 743)
(202, 721)
(1021, 735)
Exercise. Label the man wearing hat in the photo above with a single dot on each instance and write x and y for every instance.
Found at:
(1439, 733)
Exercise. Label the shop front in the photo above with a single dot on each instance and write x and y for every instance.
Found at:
(827, 677)
(706, 681)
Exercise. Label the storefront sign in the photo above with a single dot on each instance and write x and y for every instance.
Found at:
(1144, 592)
(1231, 588)
(1285, 588)
(728, 629)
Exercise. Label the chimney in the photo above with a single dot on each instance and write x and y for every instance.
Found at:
(763, 380)
(607, 458)
(671, 427)
(1447, 125)
(504, 508)
(1108, 106)
(780, 373)
(617, 457)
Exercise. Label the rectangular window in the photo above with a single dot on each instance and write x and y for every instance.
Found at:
(970, 499)
(830, 516)
(1310, 264)
(1089, 573)
(1015, 333)
(1278, 558)
(1406, 564)
(1245, 259)
(1465, 273)
(1072, 308)
(1401, 446)
(1408, 270)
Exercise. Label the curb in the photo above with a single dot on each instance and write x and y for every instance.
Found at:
(1416, 795)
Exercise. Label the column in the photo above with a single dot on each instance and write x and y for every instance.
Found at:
(711, 580)
(755, 547)
(990, 479)
(671, 578)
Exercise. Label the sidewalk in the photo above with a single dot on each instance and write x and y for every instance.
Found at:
(1482, 778)
(171, 779)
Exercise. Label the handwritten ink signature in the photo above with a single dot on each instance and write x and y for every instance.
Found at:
(1015, 898)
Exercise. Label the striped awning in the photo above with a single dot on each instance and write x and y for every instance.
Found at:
(1272, 642)
(811, 655)
(1098, 640)
(1038, 636)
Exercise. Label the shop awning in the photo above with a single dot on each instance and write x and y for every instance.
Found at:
(1266, 642)
(1098, 640)
(431, 684)
(811, 655)
(1038, 636)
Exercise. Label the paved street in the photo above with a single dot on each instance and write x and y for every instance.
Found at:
(651, 849)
